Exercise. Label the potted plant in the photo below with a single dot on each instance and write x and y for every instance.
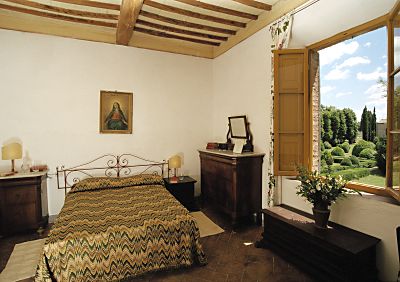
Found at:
(321, 191)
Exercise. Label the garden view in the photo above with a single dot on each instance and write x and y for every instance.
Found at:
(350, 148)
(353, 108)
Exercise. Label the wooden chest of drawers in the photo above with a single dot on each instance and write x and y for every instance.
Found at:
(23, 203)
(232, 182)
(334, 254)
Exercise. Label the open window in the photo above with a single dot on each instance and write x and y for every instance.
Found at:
(296, 118)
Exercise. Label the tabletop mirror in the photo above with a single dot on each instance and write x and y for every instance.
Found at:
(239, 128)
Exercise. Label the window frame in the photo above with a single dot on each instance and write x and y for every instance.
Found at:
(383, 21)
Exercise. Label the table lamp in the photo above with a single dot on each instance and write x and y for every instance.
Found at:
(175, 163)
(11, 152)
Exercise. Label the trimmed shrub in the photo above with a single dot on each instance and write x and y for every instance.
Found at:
(367, 163)
(334, 168)
(337, 159)
(327, 156)
(361, 145)
(327, 145)
(354, 173)
(345, 146)
(354, 160)
(337, 151)
(346, 162)
(368, 154)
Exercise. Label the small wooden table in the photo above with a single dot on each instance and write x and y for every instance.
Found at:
(183, 191)
(23, 202)
(333, 254)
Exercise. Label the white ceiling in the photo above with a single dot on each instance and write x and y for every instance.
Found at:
(322, 19)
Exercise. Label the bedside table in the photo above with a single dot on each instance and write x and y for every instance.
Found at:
(23, 202)
(183, 191)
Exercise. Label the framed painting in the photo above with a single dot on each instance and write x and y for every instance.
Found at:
(116, 112)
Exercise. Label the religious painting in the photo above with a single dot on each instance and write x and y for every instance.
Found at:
(116, 112)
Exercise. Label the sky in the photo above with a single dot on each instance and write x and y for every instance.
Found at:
(350, 71)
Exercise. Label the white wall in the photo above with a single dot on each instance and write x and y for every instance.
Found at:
(180, 103)
(241, 83)
(368, 215)
(50, 92)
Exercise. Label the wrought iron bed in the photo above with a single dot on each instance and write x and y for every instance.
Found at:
(108, 165)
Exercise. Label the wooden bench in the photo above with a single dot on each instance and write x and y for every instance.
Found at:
(333, 254)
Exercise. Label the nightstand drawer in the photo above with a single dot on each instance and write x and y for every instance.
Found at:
(20, 195)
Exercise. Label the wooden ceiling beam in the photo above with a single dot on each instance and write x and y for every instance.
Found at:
(63, 10)
(255, 4)
(128, 15)
(193, 14)
(182, 31)
(186, 24)
(173, 36)
(91, 3)
(219, 9)
(57, 16)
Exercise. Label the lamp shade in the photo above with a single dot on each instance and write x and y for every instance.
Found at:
(174, 162)
(11, 151)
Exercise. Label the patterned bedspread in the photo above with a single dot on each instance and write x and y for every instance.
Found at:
(115, 232)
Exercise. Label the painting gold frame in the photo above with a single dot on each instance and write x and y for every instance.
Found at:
(116, 112)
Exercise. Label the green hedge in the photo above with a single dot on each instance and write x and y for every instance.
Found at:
(337, 159)
(368, 154)
(367, 163)
(337, 151)
(353, 173)
(354, 160)
(334, 168)
(327, 145)
(346, 162)
(361, 145)
(345, 146)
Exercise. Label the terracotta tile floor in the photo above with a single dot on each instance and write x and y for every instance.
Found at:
(229, 259)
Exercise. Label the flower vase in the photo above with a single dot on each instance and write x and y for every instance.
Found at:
(321, 215)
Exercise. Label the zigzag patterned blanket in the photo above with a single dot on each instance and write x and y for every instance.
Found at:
(111, 234)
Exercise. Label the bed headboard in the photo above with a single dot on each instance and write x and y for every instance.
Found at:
(108, 165)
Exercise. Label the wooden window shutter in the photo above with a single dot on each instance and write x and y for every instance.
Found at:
(292, 111)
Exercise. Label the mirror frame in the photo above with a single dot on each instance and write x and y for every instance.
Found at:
(245, 125)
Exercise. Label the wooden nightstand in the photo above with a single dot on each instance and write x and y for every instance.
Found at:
(183, 191)
(23, 203)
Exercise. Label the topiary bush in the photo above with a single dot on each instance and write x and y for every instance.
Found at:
(367, 163)
(346, 162)
(327, 145)
(327, 156)
(361, 145)
(345, 146)
(354, 160)
(337, 159)
(337, 151)
(368, 154)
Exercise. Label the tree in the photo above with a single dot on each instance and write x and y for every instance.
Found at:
(327, 127)
(351, 125)
(380, 156)
(335, 124)
(342, 127)
(373, 126)
(368, 124)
